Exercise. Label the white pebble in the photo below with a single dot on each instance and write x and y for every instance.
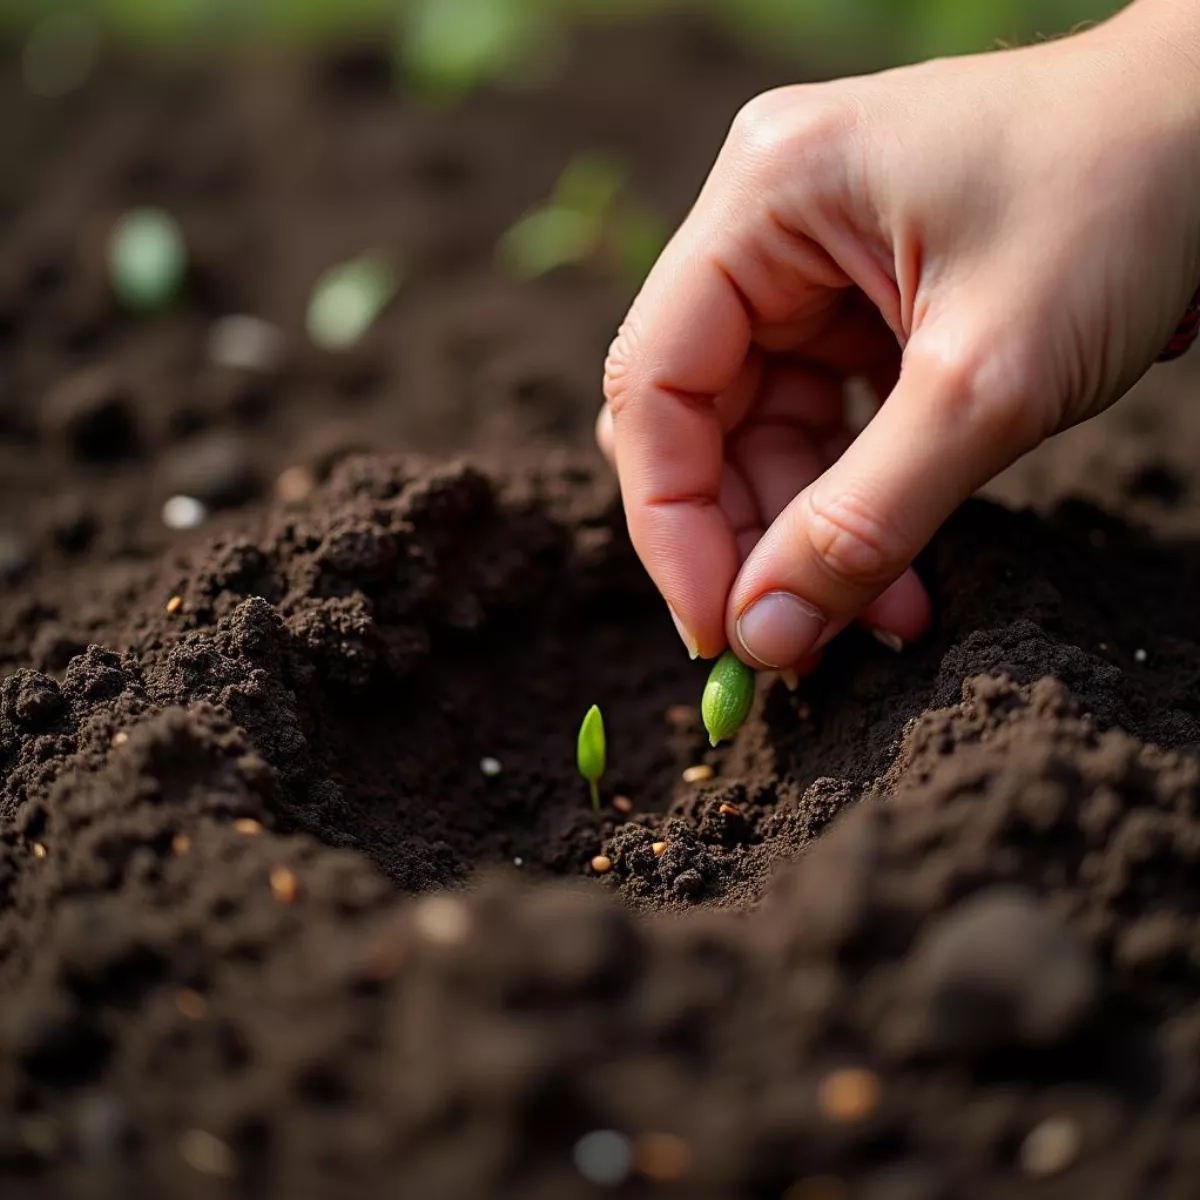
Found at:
(1051, 1147)
(442, 920)
(490, 766)
(245, 343)
(518, 861)
(1140, 655)
(603, 1157)
(184, 512)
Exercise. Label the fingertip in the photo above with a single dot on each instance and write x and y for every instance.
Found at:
(903, 611)
(604, 433)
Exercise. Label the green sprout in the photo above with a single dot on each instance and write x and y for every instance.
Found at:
(727, 698)
(147, 259)
(590, 752)
(348, 299)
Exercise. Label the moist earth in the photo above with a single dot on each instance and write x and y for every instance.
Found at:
(271, 924)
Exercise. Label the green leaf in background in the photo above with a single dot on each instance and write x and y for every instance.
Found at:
(589, 184)
(545, 239)
(639, 236)
(449, 47)
(348, 299)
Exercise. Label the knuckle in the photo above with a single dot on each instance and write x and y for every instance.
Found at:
(989, 390)
(619, 362)
(853, 546)
(778, 127)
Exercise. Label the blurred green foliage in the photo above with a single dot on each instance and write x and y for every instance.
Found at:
(454, 37)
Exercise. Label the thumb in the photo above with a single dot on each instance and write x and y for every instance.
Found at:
(963, 409)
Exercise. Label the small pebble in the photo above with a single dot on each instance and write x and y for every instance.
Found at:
(180, 844)
(663, 1157)
(682, 715)
(700, 773)
(245, 343)
(602, 864)
(191, 1004)
(518, 861)
(442, 920)
(622, 804)
(248, 826)
(849, 1095)
(490, 766)
(283, 885)
(294, 483)
(120, 738)
(1050, 1147)
(174, 605)
(39, 851)
(184, 512)
(729, 810)
(659, 848)
(603, 1157)
(207, 1154)
(1140, 655)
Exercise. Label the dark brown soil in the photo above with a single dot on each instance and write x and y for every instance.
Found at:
(230, 758)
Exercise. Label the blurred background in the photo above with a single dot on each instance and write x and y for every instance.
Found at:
(240, 240)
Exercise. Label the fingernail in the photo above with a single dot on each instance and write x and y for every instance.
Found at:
(689, 641)
(791, 680)
(779, 629)
(890, 640)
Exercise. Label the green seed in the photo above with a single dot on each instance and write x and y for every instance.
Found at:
(147, 259)
(727, 698)
(590, 751)
(347, 300)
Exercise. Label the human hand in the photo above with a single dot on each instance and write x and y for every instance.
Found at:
(1000, 245)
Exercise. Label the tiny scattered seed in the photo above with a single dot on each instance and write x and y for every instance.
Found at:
(663, 1157)
(39, 851)
(602, 864)
(490, 767)
(248, 826)
(184, 512)
(622, 804)
(283, 885)
(849, 1095)
(207, 1154)
(682, 715)
(180, 844)
(700, 773)
(1050, 1147)
(174, 605)
(729, 810)
(1140, 655)
(659, 848)
(191, 1004)
(294, 483)
(442, 920)
(120, 738)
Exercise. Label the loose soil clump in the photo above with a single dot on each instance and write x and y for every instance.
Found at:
(300, 891)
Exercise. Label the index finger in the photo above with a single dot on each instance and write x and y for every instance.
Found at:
(685, 342)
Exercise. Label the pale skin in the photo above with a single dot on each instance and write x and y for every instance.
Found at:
(1000, 245)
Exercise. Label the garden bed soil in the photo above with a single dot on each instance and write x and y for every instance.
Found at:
(268, 928)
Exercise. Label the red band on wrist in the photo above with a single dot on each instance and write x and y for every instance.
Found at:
(1186, 334)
